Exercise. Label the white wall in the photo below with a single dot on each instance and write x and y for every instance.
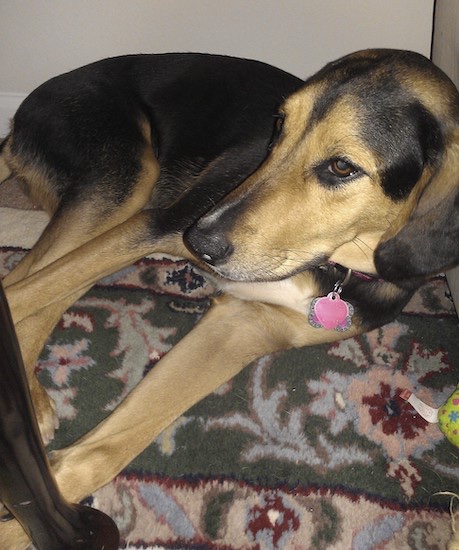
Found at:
(41, 38)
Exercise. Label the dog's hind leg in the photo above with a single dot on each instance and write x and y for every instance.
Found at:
(38, 301)
(79, 220)
(73, 226)
(32, 333)
(76, 271)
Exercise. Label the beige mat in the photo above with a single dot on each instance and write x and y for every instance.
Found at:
(21, 228)
(20, 223)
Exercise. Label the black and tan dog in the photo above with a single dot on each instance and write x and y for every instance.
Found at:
(317, 207)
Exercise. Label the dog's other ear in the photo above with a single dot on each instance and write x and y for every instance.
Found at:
(425, 240)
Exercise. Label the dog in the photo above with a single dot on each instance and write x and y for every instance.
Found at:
(316, 207)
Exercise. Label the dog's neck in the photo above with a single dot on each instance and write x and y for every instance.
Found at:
(346, 273)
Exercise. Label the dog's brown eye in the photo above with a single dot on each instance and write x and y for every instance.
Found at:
(341, 168)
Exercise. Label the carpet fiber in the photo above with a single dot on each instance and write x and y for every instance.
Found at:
(307, 449)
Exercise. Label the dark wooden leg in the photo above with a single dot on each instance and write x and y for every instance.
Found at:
(27, 487)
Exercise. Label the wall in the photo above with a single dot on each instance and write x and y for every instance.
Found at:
(42, 38)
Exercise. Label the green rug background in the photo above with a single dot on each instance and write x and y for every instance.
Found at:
(310, 448)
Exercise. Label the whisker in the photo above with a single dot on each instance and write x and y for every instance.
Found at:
(363, 242)
(358, 242)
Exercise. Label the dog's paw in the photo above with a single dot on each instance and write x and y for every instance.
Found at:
(45, 412)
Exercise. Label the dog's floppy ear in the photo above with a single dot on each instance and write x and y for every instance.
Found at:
(425, 240)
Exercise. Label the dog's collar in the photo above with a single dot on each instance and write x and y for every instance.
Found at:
(348, 273)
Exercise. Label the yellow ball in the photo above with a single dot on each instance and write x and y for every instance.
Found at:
(448, 418)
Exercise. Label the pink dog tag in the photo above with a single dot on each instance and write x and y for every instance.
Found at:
(331, 313)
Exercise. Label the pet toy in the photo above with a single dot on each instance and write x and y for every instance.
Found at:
(447, 416)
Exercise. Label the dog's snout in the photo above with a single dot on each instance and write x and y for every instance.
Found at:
(210, 245)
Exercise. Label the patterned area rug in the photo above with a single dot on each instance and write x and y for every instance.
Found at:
(308, 449)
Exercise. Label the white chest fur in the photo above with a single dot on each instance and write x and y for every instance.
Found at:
(291, 293)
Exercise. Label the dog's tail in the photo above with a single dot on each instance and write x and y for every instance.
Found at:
(5, 171)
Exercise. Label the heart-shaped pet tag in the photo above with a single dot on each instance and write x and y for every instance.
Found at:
(331, 312)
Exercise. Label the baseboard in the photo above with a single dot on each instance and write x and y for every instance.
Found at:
(9, 102)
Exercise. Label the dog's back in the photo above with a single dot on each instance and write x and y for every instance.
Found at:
(95, 121)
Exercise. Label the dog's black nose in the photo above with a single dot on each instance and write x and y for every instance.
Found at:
(211, 246)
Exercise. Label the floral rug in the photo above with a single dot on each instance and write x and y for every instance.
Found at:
(307, 449)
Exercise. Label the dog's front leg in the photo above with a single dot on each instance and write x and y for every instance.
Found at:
(230, 336)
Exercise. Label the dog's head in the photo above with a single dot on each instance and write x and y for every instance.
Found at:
(363, 171)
